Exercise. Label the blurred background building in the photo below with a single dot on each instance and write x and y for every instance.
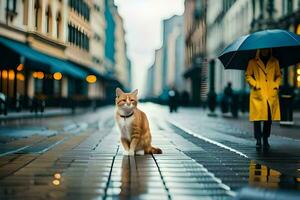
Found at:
(166, 72)
(195, 50)
(61, 50)
(208, 27)
(120, 55)
(229, 19)
(284, 14)
(226, 21)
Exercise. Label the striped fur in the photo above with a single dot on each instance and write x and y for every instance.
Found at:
(133, 124)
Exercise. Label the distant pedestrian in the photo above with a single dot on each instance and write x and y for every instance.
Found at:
(173, 100)
(264, 77)
(228, 94)
(185, 98)
(226, 99)
(228, 90)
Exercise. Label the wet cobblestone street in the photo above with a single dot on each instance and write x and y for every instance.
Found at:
(85, 161)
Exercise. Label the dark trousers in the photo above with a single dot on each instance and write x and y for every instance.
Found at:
(266, 129)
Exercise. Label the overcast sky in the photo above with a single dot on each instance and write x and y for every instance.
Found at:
(143, 26)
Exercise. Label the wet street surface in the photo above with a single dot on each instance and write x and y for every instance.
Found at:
(80, 157)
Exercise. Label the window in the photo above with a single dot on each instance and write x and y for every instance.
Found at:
(57, 88)
(97, 37)
(38, 86)
(25, 12)
(36, 14)
(48, 20)
(78, 38)
(58, 25)
(96, 60)
(11, 5)
(80, 7)
(261, 6)
(97, 8)
(289, 6)
(69, 33)
(10, 10)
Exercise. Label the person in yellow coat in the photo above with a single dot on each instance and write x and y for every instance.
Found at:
(264, 77)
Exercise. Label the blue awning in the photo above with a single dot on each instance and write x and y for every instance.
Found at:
(102, 76)
(52, 64)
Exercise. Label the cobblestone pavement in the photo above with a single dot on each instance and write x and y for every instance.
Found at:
(80, 157)
(278, 168)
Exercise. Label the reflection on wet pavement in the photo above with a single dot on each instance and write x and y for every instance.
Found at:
(263, 176)
(90, 165)
(56, 179)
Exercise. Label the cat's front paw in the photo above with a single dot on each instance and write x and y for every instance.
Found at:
(140, 152)
(125, 153)
(131, 152)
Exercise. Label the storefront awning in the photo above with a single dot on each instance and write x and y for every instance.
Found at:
(50, 64)
(101, 76)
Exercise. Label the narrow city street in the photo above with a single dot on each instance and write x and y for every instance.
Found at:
(219, 81)
(80, 157)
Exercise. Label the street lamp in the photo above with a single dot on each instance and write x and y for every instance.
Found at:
(20, 67)
(20, 77)
(91, 78)
(11, 75)
(212, 97)
(57, 76)
(4, 74)
(38, 75)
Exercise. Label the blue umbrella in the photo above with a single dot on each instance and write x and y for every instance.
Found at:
(285, 47)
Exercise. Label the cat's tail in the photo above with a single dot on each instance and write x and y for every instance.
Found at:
(153, 150)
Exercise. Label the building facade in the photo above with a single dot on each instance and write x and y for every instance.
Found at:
(97, 42)
(110, 37)
(226, 21)
(53, 50)
(40, 25)
(284, 14)
(117, 63)
(150, 82)
(158, 87)
(97, 45)
(167, 69)
(195, 61)
(172, 56)
(121, 60)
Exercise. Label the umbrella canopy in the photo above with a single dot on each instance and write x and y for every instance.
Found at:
(285, 47)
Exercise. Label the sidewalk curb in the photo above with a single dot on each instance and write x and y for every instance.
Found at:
(42, 115)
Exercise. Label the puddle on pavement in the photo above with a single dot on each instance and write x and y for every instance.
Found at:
(263, 176)
(17, 132)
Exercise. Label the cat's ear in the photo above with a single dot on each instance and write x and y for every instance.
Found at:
(135, 92)
(119, 92)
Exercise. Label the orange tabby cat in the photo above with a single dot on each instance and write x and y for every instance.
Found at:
(133, 124)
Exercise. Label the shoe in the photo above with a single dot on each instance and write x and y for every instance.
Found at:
(258, 143)
(266, 144)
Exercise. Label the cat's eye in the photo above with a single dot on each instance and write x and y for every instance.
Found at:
(132, 100)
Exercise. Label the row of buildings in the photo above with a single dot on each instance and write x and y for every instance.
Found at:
(208, 27)
(166, 71)
(62, 49)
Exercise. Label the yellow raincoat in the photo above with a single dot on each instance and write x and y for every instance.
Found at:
(264, 83)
